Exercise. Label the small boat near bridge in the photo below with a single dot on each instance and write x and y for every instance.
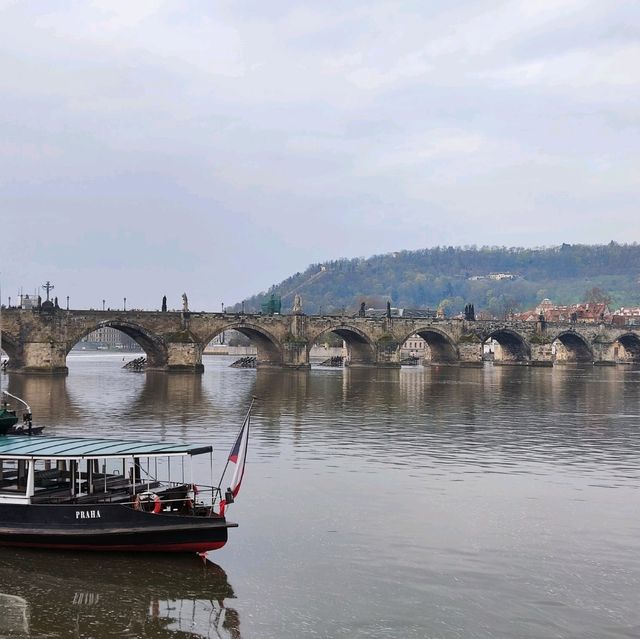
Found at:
(9, 418)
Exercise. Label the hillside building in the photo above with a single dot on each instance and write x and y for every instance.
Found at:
(588, 312)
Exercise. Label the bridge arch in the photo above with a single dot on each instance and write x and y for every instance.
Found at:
(631, 344)
(442, 348)
(570, 346)
(153, 345)
(268, 346)
(512, 346)
(10, 346)
(360, 349)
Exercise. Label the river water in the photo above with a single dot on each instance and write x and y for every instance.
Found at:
(424, 502)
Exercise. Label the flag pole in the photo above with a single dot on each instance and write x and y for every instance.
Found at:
(244, 423)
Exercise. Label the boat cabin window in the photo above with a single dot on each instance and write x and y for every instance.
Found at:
(13, 476)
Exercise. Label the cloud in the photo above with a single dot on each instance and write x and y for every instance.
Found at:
(243, 140)
(596, 67)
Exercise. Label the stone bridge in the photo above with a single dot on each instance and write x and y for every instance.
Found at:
(39, 340)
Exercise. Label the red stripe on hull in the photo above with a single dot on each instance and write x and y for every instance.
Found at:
(194, 546)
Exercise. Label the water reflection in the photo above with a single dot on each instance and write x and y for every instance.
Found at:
(15, 615)
(47, 396)
(75, 595)
(171, 399)
(578, 409)
(439, 501)
(486, 416)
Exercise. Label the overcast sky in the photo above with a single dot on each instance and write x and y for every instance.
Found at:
(152, 147)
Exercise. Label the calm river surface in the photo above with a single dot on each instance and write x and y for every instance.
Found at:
(426, 502)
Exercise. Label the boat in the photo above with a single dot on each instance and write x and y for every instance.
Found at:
(23, 429)
(9, 418)
(71, 493)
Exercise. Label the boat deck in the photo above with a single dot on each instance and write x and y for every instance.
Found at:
(70, 470)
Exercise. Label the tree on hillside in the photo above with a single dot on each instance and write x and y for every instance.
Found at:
(596, 295)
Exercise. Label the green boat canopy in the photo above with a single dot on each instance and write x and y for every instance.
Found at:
(38, 447)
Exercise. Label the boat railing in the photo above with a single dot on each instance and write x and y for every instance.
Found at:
(197, 491)
(176, 496)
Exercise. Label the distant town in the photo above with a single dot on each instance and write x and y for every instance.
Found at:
(105, 339)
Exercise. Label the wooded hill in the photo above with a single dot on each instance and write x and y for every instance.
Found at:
(450, 277)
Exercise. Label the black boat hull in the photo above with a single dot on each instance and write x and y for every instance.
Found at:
(21, 430)
(105, 527)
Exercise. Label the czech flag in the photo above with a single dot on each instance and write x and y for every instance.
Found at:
(238, 456)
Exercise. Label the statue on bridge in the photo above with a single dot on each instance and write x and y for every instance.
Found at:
(470, 313)
(185, 303)
(297, 305)
(164, 303)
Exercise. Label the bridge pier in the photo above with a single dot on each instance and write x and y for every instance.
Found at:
(43, 358)
(387, 354)
(182, 357)
(541, 354)
(470, 353)
(604, 353)
(295, 346)
(295, 354)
